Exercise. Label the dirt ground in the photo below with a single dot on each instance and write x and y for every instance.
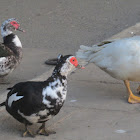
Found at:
(96, 106)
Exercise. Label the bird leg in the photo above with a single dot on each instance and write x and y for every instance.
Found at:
(42, 130)
(132, 98)
(28, 132)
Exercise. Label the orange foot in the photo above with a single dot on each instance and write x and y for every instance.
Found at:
(133, 99)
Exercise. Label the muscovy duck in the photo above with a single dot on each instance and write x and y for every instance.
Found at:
(11, 48)
(119, 58)
(36, 102)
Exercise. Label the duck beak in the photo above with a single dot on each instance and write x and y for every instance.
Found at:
(20, 29)
(80, 67)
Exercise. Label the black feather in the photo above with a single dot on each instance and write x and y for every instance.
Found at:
(2, 104)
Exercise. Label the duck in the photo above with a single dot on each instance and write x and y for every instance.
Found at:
(33, 102)
(11, 48)
(120, 58)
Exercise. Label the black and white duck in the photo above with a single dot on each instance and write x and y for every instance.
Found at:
(11, 48)
(36, 102)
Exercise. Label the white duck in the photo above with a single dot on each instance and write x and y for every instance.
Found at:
(119, 58)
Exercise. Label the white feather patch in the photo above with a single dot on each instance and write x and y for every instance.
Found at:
(43, 112)
(32, 118)
(13, 98)
(16, 41)
(52, 92)
(2, 59)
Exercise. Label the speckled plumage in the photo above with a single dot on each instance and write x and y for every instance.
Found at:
(36, 97)
(10, 49)
(36, 102)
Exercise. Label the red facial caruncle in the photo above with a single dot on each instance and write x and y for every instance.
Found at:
(15, 24)
(74, 61)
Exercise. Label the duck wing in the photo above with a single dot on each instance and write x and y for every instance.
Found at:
(7, 60)
(5, 51)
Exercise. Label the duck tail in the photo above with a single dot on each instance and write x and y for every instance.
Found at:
(86, 53)
(2, 104)
(9, 88)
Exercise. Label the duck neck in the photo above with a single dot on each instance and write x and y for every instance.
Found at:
(56, 74)
(63, 69)
(12, 41)
(58, 71)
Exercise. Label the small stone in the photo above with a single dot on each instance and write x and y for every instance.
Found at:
(120, 131)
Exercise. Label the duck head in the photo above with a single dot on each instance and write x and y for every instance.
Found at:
(66, 64)
(10, 25)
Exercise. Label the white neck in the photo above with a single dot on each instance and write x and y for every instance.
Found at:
(66, 69)
(16, 41)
